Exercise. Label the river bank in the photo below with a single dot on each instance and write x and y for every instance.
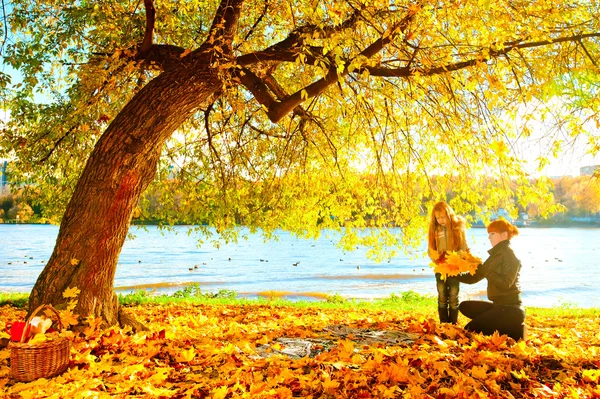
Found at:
(562, 222)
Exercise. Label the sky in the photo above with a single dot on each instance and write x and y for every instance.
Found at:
(572, 158)
(573, 154)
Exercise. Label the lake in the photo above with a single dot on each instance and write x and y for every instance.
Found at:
(560, 265)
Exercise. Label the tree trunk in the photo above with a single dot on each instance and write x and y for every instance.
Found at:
(121, 166)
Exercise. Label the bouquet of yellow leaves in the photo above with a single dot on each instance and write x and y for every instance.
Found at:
(454, 263)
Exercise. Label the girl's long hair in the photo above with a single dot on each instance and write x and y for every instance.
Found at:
(454, 225)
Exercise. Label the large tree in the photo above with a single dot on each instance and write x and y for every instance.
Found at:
(300, 114)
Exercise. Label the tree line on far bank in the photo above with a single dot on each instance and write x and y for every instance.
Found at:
(577, 196)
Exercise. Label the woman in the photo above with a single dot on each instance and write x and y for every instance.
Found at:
(505, 312)
(447, 233)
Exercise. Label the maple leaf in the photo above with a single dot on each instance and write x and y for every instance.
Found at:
(498, 340)
(71, 305)
(186, 356)
(38, 338)
(68, 318)
(277, 346)
(330, 385)
(521, 374)
(398, 373)
(346, 349)
(480, 372)
(72, 292)
(157, 392)
(591, 375)
(160, 375)
(220, 392)
(93, 324)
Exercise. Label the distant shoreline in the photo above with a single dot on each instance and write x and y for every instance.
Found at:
(533, 224)
(594, 224)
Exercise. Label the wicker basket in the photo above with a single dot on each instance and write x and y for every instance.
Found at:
(29, 362)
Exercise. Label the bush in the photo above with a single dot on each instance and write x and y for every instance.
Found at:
(21, 211)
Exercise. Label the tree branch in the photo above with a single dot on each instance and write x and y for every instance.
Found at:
(277, 110)
(285, 50)
(222, 30)
(407, 71)
(150, 19)
(280, 92)
(288, 49)
(585, 50)
(5, 28)
(257, 22)
(56, 145)
(161, 57)
(256, 86)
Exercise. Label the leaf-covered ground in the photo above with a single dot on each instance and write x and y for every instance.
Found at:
(237, 351)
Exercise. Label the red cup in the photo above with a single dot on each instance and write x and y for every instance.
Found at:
(16, 331)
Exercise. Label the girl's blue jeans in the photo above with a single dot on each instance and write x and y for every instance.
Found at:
(447, 292)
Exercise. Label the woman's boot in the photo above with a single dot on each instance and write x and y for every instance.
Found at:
(453, 316)
(444, 317)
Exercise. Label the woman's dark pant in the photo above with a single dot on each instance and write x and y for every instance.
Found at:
(487, 318)
(447, 298)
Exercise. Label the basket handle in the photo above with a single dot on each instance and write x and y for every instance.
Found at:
(35, 312)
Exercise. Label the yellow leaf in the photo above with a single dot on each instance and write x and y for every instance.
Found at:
(354, 316)
(186, 356)
(521, 374)
(72, 292)
(499, 148)
(591, 375)
(346, 349)
(397, 373)
(479, 372)
(498, 339)
(157, 392)
(484, 4)
(330, 385)
(229, 349)
(68, 318)
(220, 392)
(160, 375)
(277, 346)
(38, 339)
(74, 262)
(384, 352)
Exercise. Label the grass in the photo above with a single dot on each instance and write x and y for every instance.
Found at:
(18, 300)
(408, 301)
(405, 301)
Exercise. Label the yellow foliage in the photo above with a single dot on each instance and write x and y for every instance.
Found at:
(455, 263)
(72, 292)
(186, 356)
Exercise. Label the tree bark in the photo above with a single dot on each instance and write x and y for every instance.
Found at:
(121, 166)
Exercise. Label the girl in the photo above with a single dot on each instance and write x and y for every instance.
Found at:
(505, 312)
(447, 232)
